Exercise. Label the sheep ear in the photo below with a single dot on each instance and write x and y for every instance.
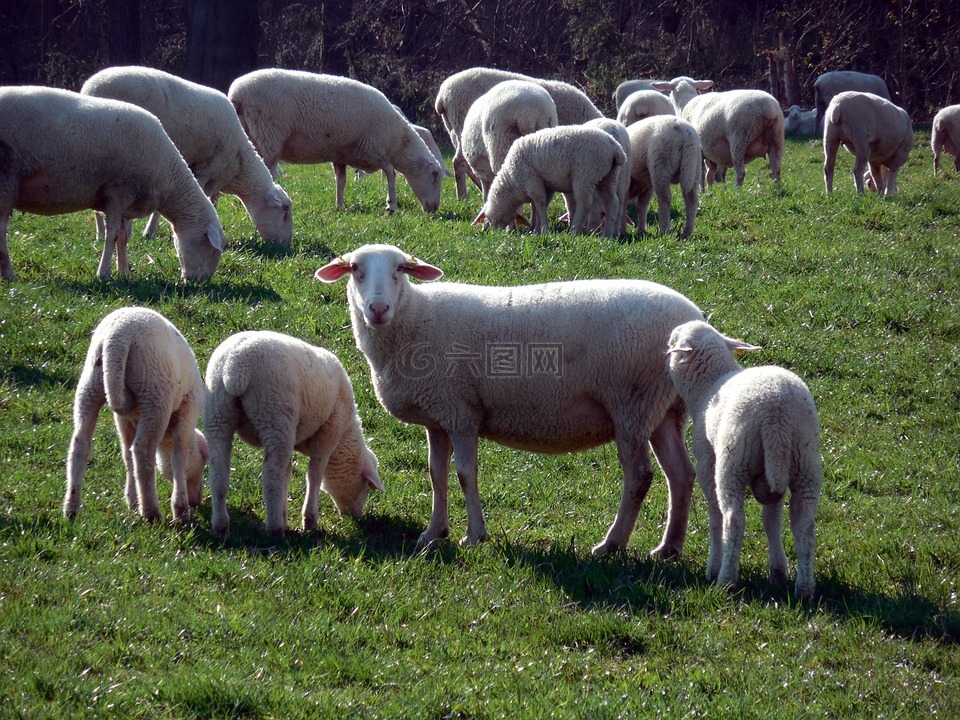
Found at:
(739, 347)
(275, 197)
(333, 270)
(662, 85)
(480, 217)
(703, 84)
(368, 471)
(421, 270)
(215, 235)
(681, 349)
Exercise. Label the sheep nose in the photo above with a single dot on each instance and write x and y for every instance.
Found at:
(378, 310)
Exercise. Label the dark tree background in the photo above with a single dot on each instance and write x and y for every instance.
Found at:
(407, 48)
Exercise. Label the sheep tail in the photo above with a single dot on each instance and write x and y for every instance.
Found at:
(235, 376)
(114, 352)
(777, 447)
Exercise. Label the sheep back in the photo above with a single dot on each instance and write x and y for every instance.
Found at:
(829, 84)
(643, 104)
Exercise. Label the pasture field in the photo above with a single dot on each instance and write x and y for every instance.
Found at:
(110, 617)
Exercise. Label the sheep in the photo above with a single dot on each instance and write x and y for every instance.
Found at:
(504, 113)
(682, 90)
(304, 117)
(735, 127)
(664, 149)
(800, 122)
(878, 133)
(755, 427)
(583, 163)
(64, 152)
(282, 394)
(827, 85)
(140, 366)
(619, 133)
(643, 104)
(458, 92)
(203, 125)
(628, 87)
(946, 136)
(552, 368)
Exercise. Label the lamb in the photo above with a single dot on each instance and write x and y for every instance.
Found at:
(800, 122)
(304, 117)
(826, 87)
(548, 368)
(459, 91)
(125, 166)
(664, 149)
(682, 90)
(497, 118)
(753, 427)
(878, 133)
(735, 127)
(643, 104)
(946, 136)
(581, 162)
(141, 366)
(204, 126)
(628, 87)
(282, 394)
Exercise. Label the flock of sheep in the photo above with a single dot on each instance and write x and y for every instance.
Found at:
(550, 368)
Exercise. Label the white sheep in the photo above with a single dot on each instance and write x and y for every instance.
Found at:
(628, 87)
(552, 368)
(583, 163)
(829, 84)
(304, 117)
(505, 112)
(946, 136)
(682, 90)
(800, 122)
(664, 150)
(143, 369)
(65, 152)
(204, 126)
(753, 427)
(282, 394)
(458, 92)
(643, 104)
(736, 126)
(878, 134)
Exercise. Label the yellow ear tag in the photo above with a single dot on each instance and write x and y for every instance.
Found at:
(411, 261)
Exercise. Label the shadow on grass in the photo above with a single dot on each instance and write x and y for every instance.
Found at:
(32, 376)
(144, 290)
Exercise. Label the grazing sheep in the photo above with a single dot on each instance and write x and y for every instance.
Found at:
(203, 125)
(735, 127)
(830, 83)
(628, 87)
(459, 91)
(304, 117)
(878, 134)
(281, 394)
(946, 136)
(643, 104)
(140, 366)
(755, 427)
(497, 118)
(800, 122)
(583, 163)
(548, 368)
(62, 152)
(682, 90)
(664, 150)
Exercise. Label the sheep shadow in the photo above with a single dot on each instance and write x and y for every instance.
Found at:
(31, 376)
(151, 290)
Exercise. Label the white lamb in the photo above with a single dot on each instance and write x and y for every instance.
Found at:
(829, 84)
(800, 122)
(755, 427)
(583, 163)
(682, 90)
(204, 126)
(946, 136)
(735, 127)
(628, 87)
(459, 91)
(548, 368)
(141, 366)
(282, 394)
(878, 134)
(65, 152)
(643, 104)
(497, 118)
(664, 150)
(303, 117)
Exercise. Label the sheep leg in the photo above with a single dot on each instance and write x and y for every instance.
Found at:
(340, 174)
(583, 201)
(6, 268)
(152, 222)
(113, 232)
(539, 204)
(804, 499)
(465, 457)
(391, 176)
(89, 399)
(637, 477)
(276, 471)
(127, 432)
(182, 435)
(644, 197)
(830, 148)
(322, 447)
(860, 165)
(671, 452)
(440, 449)
(772, 515)
(731, 488)
(460, 168)
(144, 450)
(220, 445)
(101, 225)
(706, 479)
(123, 265)
(663, 207)
(690, 210)
(889, 181)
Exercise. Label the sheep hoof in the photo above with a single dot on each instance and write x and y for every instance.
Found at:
(429, 536)
(666, 552)
(805, 591)
(470, 541)
(309, 523)
(604, 548)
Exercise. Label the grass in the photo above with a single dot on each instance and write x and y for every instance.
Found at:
(110, 617)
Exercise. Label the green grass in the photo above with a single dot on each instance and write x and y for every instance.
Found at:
(110, 617)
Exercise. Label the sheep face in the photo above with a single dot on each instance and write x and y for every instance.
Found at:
(424, 179)
(199, 251)
(271, 214)
(378, 274)
(696, 353)
(349, 479)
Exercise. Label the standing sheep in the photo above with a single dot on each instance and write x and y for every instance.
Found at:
(946, 136)
(141, 366)
(64, 152)
(829, 84)
(628, 87)
(878, 134)
(281, 394)
(754, 427)
(581, 162)
(497, 118)
(551, 368)
(303, 117)
(664, 150)
(204, 126)
(459, 91)
(643, 104)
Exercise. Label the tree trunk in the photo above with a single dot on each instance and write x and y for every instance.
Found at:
(222, 40)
